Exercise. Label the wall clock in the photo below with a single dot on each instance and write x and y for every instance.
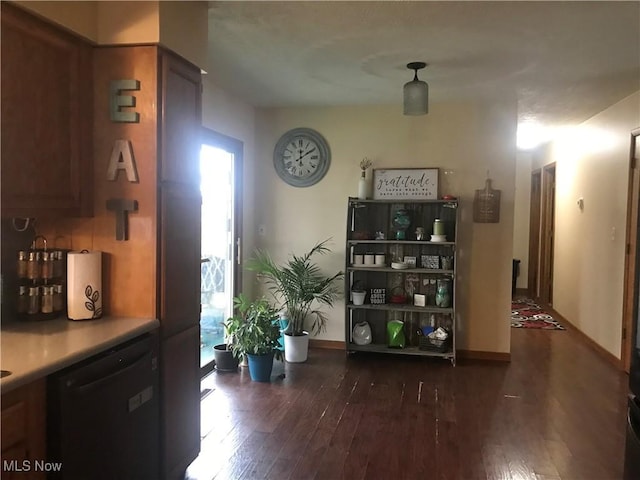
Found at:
(301, 157)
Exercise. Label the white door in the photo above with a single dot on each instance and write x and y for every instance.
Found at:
(220, 174)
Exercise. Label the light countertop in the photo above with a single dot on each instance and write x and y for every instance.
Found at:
(32, 350)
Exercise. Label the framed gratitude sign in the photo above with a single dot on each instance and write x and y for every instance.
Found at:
(405, 183)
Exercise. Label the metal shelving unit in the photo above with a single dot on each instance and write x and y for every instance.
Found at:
(367, 221)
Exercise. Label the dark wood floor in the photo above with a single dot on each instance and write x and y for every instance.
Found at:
(557, 411)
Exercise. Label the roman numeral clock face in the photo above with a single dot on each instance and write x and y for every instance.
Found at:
(301, 157)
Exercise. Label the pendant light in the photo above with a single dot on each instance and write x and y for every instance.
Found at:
(416, 92)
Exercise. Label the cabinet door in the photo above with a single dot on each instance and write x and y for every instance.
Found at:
(23, 431)
(46, 119)
(179, 291)
(181, 401)
(181, 106)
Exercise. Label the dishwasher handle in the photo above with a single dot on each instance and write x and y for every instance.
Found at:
(93, 384)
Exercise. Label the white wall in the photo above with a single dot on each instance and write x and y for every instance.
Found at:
(592, 161)
(464, 139)
(521, 216)
(184, 28)
(79, 17)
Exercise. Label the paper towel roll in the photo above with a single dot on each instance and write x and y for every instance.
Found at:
(84, 285)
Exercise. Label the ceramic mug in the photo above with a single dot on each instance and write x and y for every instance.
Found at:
(358, 259)
(369, 259)
(379, 259)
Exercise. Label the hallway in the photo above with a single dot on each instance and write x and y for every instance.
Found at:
(557, 411)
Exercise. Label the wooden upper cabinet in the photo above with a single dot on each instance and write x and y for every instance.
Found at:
(46, 119)
(181, 113)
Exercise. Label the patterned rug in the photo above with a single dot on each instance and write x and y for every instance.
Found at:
(525, 313)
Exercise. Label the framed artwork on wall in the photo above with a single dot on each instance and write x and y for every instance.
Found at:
(405, 183)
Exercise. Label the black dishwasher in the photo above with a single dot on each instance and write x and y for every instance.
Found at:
(103, 415)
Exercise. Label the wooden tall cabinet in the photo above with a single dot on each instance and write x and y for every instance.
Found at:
(179, 234)
(46, 102)
(166, 255)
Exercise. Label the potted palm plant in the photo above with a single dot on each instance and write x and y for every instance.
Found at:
(301, 288)
(256, 333)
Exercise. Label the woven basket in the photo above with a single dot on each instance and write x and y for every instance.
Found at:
(432, 344)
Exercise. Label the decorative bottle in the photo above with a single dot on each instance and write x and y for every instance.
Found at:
(401, 221)
(438, 227)
(443, 293)
(362, 186)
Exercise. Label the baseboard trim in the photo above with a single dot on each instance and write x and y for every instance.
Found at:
(480, 355)
(328, 344)
(608, 356)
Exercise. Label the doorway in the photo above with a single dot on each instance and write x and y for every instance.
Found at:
(631, 253)
(221, 188)
(547, 225)
(541, 233)
(534, 233)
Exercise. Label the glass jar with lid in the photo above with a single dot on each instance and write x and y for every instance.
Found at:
(46, 305)
(23, 263)
(58, 299)
(34, 300)
(443, 293)
(58, 267)
(438, 227)
(46, 269)
(33, 265)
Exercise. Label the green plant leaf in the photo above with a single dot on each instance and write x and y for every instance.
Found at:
(297, 284)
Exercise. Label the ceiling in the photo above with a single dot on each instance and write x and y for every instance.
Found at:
(562, 61)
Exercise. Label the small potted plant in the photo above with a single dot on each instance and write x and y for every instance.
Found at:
(226, 359)
(256, 333)
(358, 293)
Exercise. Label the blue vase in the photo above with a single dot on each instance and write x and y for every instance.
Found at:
(401, 221)
(443, 293)
(260, 367)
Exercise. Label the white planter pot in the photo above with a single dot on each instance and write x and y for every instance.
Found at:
(358, 297)
(296, 348)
